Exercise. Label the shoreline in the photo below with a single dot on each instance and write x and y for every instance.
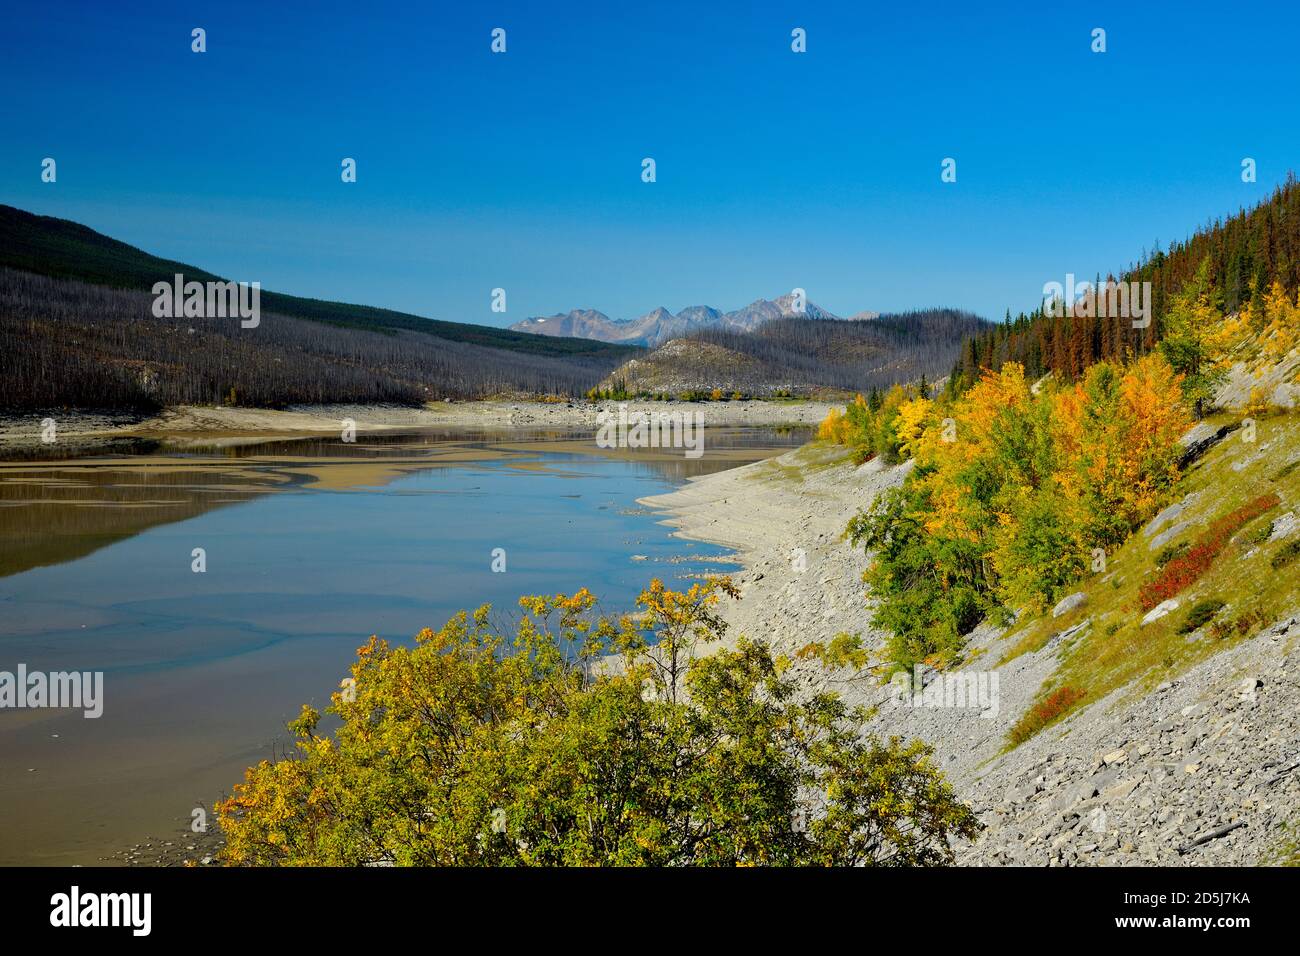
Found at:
(1124, 781)
(232, 426)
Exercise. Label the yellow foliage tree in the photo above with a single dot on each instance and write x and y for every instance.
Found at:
(910, 426)
(1281, 322)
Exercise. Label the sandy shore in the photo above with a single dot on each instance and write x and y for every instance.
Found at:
(213, 425)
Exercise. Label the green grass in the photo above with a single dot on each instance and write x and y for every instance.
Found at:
(1287, 850)
(806, 460)
(1122, 652)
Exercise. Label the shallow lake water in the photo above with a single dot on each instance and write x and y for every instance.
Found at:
(310, 547)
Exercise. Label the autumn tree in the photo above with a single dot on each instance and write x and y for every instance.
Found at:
(1193, 315)
(1012, 497)
(584, 739)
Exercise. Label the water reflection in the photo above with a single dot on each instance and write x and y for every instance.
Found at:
(56, 511)
(311, 547)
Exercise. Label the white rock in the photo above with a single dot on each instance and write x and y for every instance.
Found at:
(1164, 517)
(1159, 611)
(1164, 537)
(1068, 604)
(1199, 432)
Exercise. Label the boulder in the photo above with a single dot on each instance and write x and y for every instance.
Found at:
(1284, 526)
(1063, 636)
(1164, 517)
(1159, 611)
(1198, 433)
(1164, 537)
(1068, 604)
(1121, 790)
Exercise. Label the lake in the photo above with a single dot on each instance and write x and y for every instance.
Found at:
(309, 548)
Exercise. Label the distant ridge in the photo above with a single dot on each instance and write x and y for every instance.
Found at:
(801, 356)
(78, 330)
(63, 249)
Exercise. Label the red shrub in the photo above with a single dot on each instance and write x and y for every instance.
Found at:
(1044, 712)
(1185, 569)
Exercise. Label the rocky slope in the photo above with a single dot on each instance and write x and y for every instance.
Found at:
(1194, 762)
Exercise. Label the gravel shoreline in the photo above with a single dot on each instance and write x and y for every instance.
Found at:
(1135, 779)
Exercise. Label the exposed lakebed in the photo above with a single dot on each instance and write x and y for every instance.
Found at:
(310, 547)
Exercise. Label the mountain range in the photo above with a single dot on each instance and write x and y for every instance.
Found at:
(78, 329)
(660, 325)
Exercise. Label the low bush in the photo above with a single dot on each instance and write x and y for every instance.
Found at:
(1258, 535)
(1200, 614)
(1047, 711)
(480, 746)
(1286, 470)
(1171, 551)
(1285, 555)
(1243, 625)
(1184, 570)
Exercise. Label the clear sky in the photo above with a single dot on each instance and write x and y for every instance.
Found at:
(523, 170)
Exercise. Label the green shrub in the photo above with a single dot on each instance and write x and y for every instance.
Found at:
(1171, 551)
(1200, 614)
(1242, 626)
(1258, 535)
(1286, 554)
(1286, 470)
(927, 617)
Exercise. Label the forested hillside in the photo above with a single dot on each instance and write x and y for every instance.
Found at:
(800, 355)
(1243, 258)
(64, 249)
(1022, 490)
(77, 330)
(68, 344)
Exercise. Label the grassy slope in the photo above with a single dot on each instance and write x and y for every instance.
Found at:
(1115, 650)
(64, 249)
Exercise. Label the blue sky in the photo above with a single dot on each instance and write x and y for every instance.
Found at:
(522, 171)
